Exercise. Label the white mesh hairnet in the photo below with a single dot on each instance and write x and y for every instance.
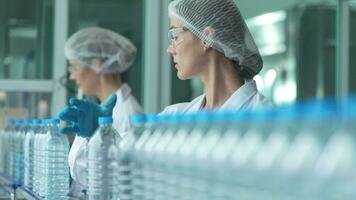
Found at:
(220, 24)
(115, 52)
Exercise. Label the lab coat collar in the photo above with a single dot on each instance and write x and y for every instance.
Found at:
(237, 100)
(122, 94)
(195, 105)
(241, 96)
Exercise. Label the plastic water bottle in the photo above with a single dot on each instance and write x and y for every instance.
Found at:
(154, 150)
(197, 146)
(29, 153)
(157, 160)
(244, 154)
(220, 156)
(3, 138)
(204, 187)
(2, 151)
(39, 159)
(103, 154)
(4, 142)
(139, 165)
(127, 157)
(11, 150)
(303, 154)
(169, 165)
(336, 165)
(9, 157)
(268, 159)
(56, 173)
(19, 151)
(2, 154)
(147, 154)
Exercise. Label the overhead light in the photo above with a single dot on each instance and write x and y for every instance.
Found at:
(269, 18)
(286, 93)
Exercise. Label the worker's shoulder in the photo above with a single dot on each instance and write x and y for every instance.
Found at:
(132, 106)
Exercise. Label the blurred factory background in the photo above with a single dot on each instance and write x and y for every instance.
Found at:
(308, 47)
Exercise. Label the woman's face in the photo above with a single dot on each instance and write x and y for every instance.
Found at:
(86, 78)
(187, 51)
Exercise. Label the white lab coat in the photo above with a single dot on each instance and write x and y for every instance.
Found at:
(245, 98)
(126, 105)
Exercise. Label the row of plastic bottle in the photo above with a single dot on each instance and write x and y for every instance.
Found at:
(298, 152)
(34, 155)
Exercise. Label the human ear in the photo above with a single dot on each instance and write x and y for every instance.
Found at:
(96, 62)
(209, 33)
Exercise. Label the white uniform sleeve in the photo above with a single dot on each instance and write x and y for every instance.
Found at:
(77, 156)
(77, 160)
(122, 113)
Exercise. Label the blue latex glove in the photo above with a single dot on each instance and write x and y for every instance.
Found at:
(84, 114)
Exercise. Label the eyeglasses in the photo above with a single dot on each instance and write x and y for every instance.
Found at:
(173, 35)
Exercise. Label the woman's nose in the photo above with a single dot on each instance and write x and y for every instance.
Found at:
(170, 50)
(72, 76)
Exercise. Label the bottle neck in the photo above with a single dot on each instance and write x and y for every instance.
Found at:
(53, 127)
(105, 125)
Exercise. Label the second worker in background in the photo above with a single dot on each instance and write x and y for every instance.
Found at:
(97, 57)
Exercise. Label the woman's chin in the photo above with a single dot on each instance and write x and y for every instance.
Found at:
(182, 76)
(87, 92)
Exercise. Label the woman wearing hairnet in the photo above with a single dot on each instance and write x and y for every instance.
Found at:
(210, 41)
(97, 57)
